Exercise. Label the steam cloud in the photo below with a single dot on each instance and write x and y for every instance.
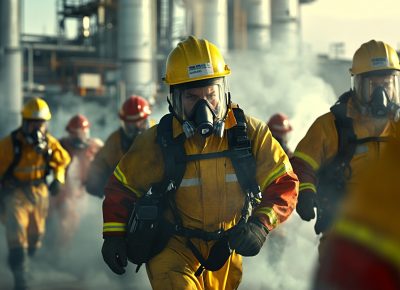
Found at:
(262, 84)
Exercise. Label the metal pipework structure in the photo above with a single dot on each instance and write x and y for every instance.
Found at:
(135, 46)
(10, 65)
(172, 24)
(210, 21)
(285, 26)
(258, 24)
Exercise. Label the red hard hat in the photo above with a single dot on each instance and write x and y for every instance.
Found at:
(77, 122)
(279, 123)
(135, 108)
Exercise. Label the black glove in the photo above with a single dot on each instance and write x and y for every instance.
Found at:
(55, 187)
(305, 205)
(248, 238)
(114, 254)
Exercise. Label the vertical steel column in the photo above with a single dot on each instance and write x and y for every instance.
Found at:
(135, 46)
(10, 65)
(211, 21)
(258, 24)
(285, 27)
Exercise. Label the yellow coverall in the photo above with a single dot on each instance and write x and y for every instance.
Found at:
(26, 198)
(209, 198)
(320, 145)
(104, 163)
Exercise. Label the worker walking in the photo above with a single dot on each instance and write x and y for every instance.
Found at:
(207, 184)
(349, 138)
(27, 156)
(68, 206)
(134, 115)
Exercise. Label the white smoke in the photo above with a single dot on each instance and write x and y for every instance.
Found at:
(262, 84)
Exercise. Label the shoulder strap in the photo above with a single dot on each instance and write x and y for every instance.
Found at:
(174, 156)
(17, 149)
(47, 155)
(240, 153)
(242, 157)
(345, 131)
(346, 136)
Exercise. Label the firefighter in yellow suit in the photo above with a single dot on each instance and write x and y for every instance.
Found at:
(209, 199)
(134, 115)
(368, 114)
(27, 155)
(362, 250)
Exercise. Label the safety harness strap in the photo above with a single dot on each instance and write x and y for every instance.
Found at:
(344, 127)
(333, 177)
(242, 158)
(347, 139)
(16, 143)
(17, 151)
(174, 156)
(175, 159)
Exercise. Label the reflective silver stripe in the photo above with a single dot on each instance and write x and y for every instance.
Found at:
(231, 177)
(187, 182)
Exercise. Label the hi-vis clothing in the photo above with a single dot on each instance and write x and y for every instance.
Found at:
(105, 162)
(26, 194)
(371, 214)
(367, 231)
(209, 198)
(320, 145)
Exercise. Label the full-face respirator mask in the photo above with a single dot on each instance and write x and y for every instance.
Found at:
(377, 94)
(35, 135)
(201, 107)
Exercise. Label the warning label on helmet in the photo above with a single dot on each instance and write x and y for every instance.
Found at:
(379, 62)
(198, 70)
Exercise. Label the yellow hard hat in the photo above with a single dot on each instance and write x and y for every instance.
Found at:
(194, 59)
(36, 109)
(374, 56)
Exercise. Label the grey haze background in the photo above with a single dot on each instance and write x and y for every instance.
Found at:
(262, 84)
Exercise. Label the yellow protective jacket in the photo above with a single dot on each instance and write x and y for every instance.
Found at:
(370, 215)
(320, 145)
(376, 208)
(104, 163)
(24, 191)
(32, 165)
(209, 198)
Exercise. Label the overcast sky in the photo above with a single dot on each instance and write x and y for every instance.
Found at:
(351, 21)
(324, 22)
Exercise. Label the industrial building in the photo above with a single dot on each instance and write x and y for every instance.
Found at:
(118, 47)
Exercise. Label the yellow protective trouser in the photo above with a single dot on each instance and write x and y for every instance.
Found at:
(174, 269)
(25, 216)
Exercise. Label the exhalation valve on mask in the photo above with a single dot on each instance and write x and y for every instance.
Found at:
(380, 105)
(203, 121)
